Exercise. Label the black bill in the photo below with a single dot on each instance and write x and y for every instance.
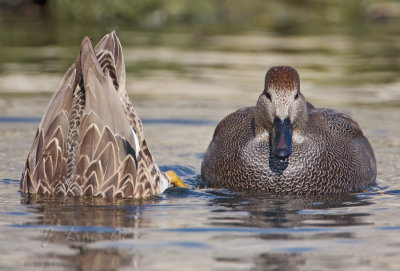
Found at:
(281, 138)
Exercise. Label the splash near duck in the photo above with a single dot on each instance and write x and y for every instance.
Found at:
(90, 140)
(285, 145)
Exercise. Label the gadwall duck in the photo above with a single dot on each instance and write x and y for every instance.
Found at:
(285, 145)
(90, 140)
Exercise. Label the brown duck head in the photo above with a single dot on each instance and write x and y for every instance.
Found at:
(281, 109)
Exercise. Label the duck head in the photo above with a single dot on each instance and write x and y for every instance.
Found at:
(281, 109)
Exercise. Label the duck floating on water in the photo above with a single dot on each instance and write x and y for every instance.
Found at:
(90, 141)
(285, 145)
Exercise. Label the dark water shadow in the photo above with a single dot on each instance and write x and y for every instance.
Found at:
(288, 218)
(78, 222)
(291, 211)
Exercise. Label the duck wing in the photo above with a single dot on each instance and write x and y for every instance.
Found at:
(46, 163)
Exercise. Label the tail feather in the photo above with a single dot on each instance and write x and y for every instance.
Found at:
(109, 54)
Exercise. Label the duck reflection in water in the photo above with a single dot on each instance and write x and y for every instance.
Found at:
(78, 222)
(287, 226)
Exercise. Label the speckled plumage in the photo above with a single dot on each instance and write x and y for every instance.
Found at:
(329, 152)
(90, 140)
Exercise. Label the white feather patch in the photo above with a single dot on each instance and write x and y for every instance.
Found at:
(137, 145)
(164, 184)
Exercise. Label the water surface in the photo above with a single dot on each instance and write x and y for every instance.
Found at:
(181, 92)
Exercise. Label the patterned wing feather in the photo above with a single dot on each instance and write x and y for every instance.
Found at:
(48, 154)
(90, 140)
(102, 108)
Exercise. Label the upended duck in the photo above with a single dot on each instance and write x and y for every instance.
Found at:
(90, 140)
(285, 145)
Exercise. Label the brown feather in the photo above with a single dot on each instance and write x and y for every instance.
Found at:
(89, 142)
(91, 184)
(81, 166)
(106, 137)
(59, 124)
(107, 160)
(85, 143)
(39, 148)
(62, 99)
(95, 167)
(89, 119)
(110, 47)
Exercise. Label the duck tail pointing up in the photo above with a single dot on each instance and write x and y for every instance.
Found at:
(109, 54)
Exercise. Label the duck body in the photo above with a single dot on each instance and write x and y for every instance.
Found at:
(90, 141)
(327, 151)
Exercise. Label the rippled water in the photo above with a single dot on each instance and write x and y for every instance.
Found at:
(181, 93)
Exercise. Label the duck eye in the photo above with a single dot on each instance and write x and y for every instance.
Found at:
(267, 95)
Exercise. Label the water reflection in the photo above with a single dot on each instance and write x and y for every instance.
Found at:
(190, 228)
(284, 261)
(99, 259)
(289, 226)
(77, 222)
(290, 211)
